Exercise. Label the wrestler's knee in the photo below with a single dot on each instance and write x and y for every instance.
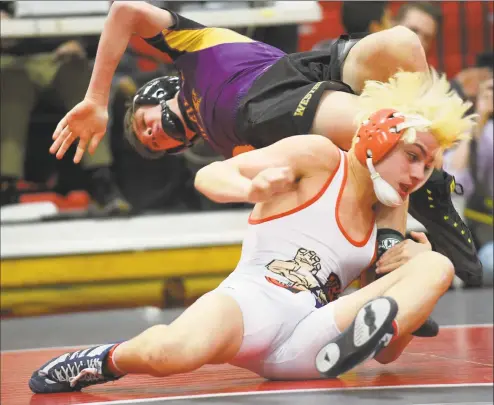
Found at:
(400, 42)
(403, 36)
(437, 268)
(378, 56)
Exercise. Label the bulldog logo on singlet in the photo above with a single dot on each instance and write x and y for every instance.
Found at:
(300, 274)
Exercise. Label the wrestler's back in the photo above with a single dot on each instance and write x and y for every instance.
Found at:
(217, 67)
(216, 79)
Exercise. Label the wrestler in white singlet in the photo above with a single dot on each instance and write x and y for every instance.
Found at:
(293, 266)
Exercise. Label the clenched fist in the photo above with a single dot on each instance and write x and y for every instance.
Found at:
(270, 182)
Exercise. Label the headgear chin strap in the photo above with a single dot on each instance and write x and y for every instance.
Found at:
(376, 137)
(385, 193)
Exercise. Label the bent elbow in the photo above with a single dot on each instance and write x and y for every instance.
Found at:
(126, 11)
(205, 179)
(121, 7)
(199, 179)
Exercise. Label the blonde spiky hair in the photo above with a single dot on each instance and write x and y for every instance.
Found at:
(421, 93)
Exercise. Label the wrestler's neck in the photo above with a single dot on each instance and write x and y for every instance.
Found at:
(360, 177)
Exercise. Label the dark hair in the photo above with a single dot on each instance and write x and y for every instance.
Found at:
(131, 138)
(357, 16)
(485, 60)
(424, 6)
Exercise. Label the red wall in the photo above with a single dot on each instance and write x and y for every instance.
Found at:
(470, 13)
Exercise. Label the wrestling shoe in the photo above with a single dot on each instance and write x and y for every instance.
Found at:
(430, 328)
(431, 205)
(371, 330)
(72, 371)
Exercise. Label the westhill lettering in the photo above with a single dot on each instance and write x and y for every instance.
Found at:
(305, 101)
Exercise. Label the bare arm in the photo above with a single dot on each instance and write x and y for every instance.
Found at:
(335, 117)
(124, 20)
(292, 158)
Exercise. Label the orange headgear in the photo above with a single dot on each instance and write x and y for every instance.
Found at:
(376, 137)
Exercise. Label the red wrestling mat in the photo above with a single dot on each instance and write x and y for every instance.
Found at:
(458, 355)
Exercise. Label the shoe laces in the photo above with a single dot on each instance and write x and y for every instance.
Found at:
(86, 371)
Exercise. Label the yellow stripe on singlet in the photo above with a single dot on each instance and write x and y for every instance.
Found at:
(197, 40)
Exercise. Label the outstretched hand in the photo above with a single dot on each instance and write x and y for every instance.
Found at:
(86, 122)
(402, 252)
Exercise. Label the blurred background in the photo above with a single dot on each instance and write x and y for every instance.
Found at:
(121, 231)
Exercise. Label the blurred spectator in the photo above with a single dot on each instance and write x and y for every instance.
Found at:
(471, 162)
(423, 18)
(365, 16)
(361, 17)
(284, 37)
(468, 81)
(55, 75)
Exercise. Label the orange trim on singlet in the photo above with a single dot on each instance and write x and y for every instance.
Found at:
(302, 206)
(353, 242)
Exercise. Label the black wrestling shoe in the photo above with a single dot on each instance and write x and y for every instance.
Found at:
(431, 205)
(371, 330)
(430, 328)
(72, 371)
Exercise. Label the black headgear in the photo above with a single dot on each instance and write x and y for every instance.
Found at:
(159, 91)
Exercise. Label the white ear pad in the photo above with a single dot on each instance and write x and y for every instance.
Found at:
(384, 192)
